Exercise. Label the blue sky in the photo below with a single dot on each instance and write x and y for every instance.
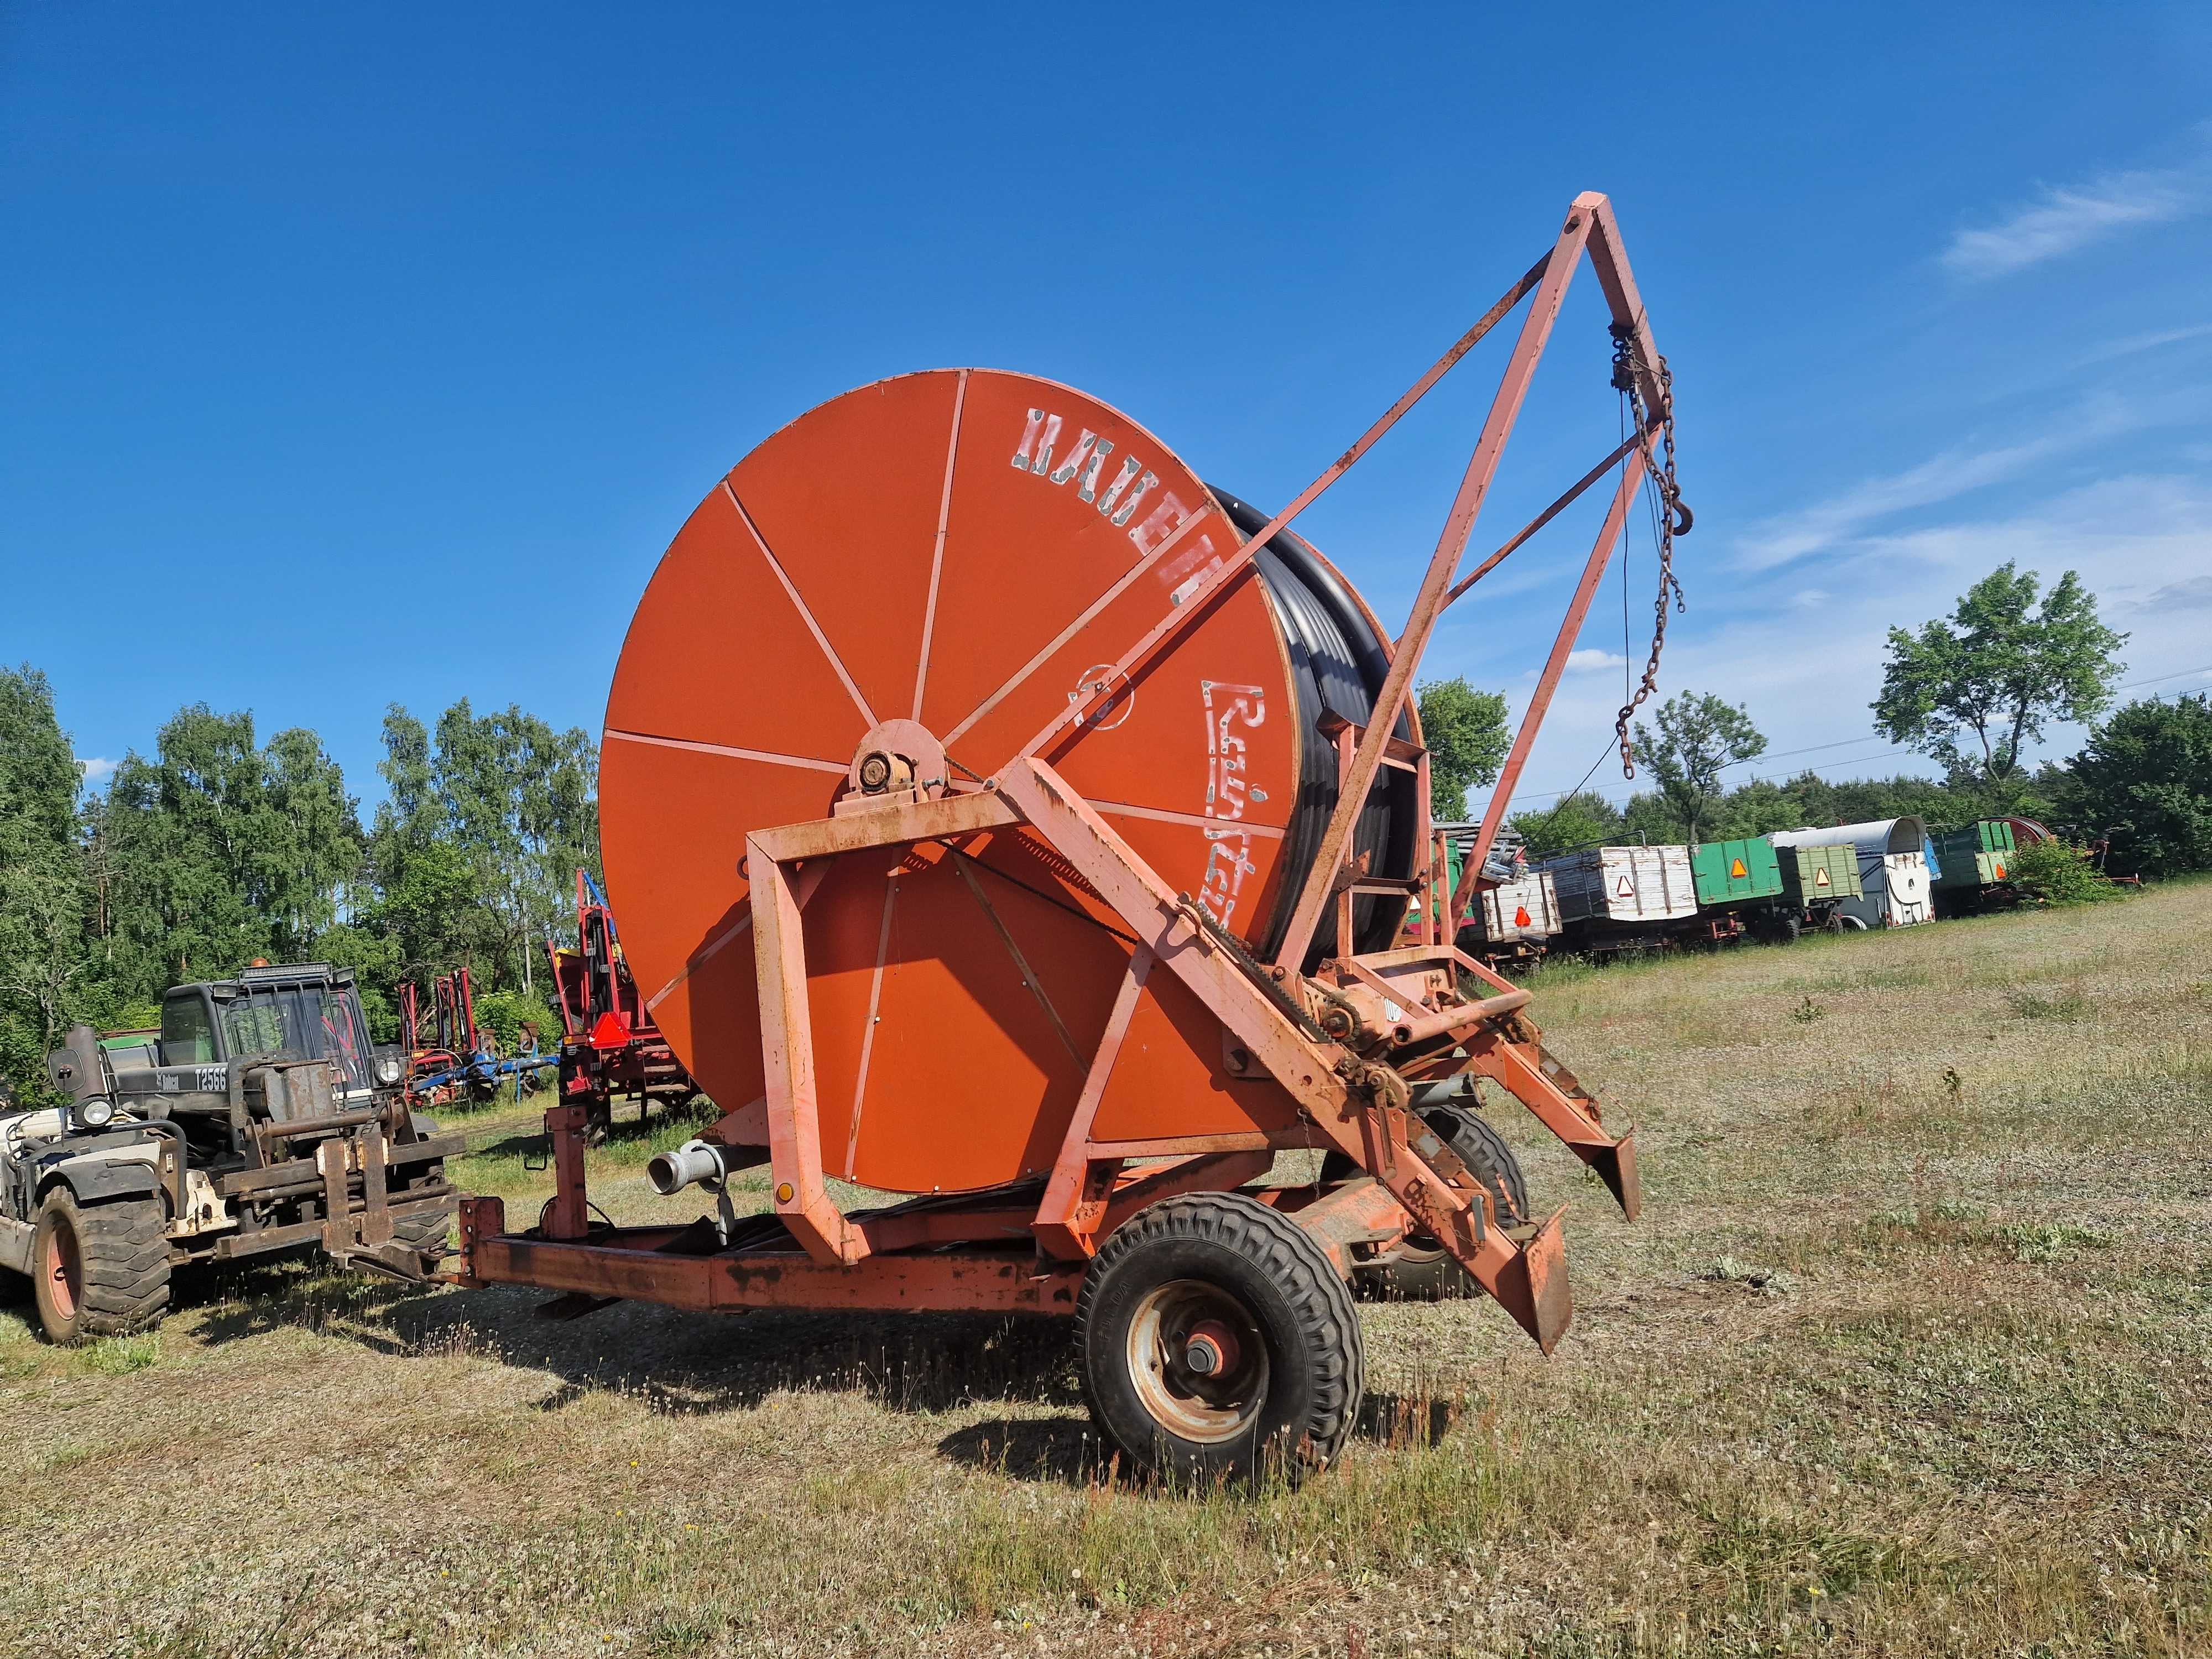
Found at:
(355, 357)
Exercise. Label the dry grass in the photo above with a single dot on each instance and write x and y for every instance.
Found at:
(1911, 1354)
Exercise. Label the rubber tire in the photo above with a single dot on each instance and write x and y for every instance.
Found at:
(123, 1266)
(1316, 1358)
(1433, 1275)
(430, 1235)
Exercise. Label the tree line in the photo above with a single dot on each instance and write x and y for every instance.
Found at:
(219, 848)
(1970, 690)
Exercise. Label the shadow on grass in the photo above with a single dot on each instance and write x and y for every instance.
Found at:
(1069, 1451)
(696, 1364)
(677, 1361)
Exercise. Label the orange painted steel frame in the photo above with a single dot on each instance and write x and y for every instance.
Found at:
(1348, 1088)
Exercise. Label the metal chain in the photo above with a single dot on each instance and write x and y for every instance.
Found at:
(1674, 518)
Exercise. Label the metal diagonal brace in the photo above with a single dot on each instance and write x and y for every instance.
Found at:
(1570, 626)
(1459, 524)
(1528, 1282)
(1163, 632)
(1509, 1063)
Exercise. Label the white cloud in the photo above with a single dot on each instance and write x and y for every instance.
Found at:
(2067, 217)
(1584, 662)
(1790, 536)
(2132, 344)
(2142, 544)
(1842, 517)
(97, 770)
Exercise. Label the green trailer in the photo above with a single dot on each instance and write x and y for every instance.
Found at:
(1814, 876)
(1733, 873)
(1973, 868)
(1974, 855)
(1737, 884)
(1815, 882)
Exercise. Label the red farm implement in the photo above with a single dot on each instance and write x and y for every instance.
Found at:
(609, 1046)
(1003, 816)
(449, 1057)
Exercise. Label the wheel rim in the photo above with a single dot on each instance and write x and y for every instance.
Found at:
(64, 1273)
(1197, 1361)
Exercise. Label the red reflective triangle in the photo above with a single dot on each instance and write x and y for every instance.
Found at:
(1520, 916)
(1737, 869)
(610, 1032)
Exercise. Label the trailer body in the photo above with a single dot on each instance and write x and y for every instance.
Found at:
(1974, 855)
(1892, 862)
(1813, 877)
(1517, 917)
(1626, 900)
(1728, 873)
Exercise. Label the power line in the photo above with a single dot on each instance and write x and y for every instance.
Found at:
(2156, 679)
(1810, 749)
(1848, 760)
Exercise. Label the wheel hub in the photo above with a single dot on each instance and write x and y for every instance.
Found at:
(1210, 1348)
(61, 1273)
(1197, 1361)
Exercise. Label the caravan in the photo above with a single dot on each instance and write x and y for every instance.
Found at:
(1892, 868)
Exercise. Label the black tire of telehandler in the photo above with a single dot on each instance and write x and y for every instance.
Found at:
(1246, 1265)
(98, 1269)
(1424, 1271)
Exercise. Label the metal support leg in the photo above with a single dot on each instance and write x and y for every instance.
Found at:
(794, 1136)
(570, 1214)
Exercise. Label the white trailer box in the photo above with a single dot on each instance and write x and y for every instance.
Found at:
(1624, 886)
(1892, 864)
(1526, 911)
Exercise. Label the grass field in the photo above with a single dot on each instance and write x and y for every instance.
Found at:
(1911, 1354)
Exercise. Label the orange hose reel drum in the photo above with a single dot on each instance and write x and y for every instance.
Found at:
(945, 547)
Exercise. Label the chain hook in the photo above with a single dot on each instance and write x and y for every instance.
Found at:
(1674, 517)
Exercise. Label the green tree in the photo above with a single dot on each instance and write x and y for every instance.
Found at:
(475, 851)
(2145, 776)
(39, 773)
(1699, 736)
(1972, 690)
(1465, 731)
(45, 970)
(1764, 805)
(320, 854)
(1586, 819)
(2058, 871)
(222, 851)
(1650, 820)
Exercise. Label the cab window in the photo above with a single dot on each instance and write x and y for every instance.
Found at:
(264, 1023)
(187, 1035)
